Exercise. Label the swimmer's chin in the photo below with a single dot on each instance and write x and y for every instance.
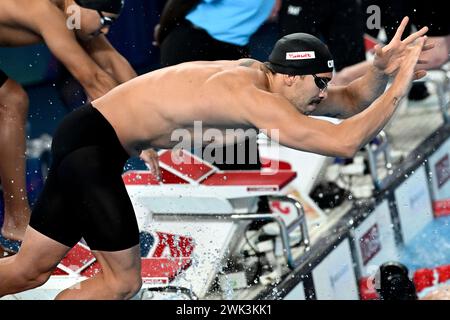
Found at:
(310, 108)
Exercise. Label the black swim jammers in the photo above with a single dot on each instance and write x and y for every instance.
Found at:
(84, 195)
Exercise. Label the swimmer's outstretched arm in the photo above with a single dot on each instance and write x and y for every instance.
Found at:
(346, 101)
(109, 59)
(231, 137)
(50, 23)
(272, 112)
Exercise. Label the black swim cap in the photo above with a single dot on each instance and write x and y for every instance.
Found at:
(300, 54)
(111, 6)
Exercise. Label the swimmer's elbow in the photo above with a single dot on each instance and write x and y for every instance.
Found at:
(344, 149)
(339, 149)
(348, 145)
(348, 152)
(322, 137)
(339, 140)
(335, 145)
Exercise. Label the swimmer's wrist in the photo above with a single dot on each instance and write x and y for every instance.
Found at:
(380, 72)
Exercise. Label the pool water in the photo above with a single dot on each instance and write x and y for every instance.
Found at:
(430, 248)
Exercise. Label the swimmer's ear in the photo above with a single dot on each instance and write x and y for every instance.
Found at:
(289, 80)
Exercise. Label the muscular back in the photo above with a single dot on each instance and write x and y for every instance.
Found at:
(145, 110)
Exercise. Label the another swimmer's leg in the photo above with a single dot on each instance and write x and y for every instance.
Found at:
(32, 265)
(120, 277)
(13, 115)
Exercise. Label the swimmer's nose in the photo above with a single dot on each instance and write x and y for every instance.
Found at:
(323, 94)
(105, 30)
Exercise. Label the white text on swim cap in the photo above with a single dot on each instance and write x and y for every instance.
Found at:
(330, 63)
(301, 55)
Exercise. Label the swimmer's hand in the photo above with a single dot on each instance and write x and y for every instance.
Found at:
(389, 58)
(406, 72)
(151, 158)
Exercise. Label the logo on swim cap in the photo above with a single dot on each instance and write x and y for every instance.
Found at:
(300, 55)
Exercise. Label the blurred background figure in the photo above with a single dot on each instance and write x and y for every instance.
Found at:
(339, 23)
(83, 50)
(192, 30)
(208, 30)
(422, 13)
(430, 14)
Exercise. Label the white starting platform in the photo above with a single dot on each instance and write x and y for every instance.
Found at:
(189, 223)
